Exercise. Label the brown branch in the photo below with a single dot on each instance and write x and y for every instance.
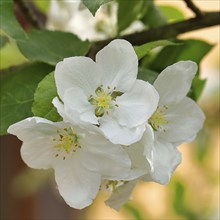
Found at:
(28, 15)
(164, 32)
(194, 8)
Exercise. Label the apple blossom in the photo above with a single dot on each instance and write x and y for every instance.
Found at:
(106, 93)
(177, 120)
(73, 16)
(80, 157)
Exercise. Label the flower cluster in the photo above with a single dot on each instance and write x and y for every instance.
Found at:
(116, 129)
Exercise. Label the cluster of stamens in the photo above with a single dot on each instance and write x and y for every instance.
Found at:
(158, 119)
(104, 100)
(112, 185)
(68, 142)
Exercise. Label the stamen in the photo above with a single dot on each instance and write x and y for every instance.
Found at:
(68, 142)
(157, 120)
(104, 100)
(112, 185)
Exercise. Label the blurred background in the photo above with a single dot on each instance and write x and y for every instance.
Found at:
(193, 192)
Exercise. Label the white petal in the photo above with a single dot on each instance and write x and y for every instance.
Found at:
(121, 195)
(118, 134)
(148, 142)
(137, 105)
(59, 106)
(110, 160)
(101, 155)
(77, 106)
(77, 72)
(37, 134)
(141, 154)
(139, 163)
(38, 153)
(33, 127)
(76, 185)
(174, 82)
(119, 65)
(166, 158)
(185, 119)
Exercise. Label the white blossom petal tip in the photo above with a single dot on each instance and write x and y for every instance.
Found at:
(174, 82)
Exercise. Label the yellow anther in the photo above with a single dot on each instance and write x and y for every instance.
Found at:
(157, 120)
(114, 184)
(104, 100)
(68, 142)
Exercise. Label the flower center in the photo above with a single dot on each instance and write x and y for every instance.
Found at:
(104, 100)
(112, 185)
(68, 142)
(158, 119)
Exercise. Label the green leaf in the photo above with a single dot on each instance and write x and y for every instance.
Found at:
(202, 143)
(172, 13)
(147, 75)
(179, 198)
(197, 88)
(179, 203)
(43, 97)
(17, 92)
(94, 5)
(193, 50)
(9, 23)
(129, 11)
(144, 49)
(52, 46)
(154, 17)
(10, 55)
(3, 41)
(42, 5)
(133, 210)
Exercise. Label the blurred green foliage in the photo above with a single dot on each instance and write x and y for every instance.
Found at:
(144, 49)
(17, 90)
(42, 5)
(179, 203)
(94, 5)
(129, 11)
(8, 21)
(131, 209)
(3, 41)
(50, 46)
(10, 55)
(43, 97)
(172, 13)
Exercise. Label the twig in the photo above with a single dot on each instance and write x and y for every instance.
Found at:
(32, 16)
(194, 8)
(164, 32)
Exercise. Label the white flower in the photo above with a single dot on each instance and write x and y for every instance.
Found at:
(79, 158)
(106, 92)
(73, 16)
(155, 160)
(177, 120)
